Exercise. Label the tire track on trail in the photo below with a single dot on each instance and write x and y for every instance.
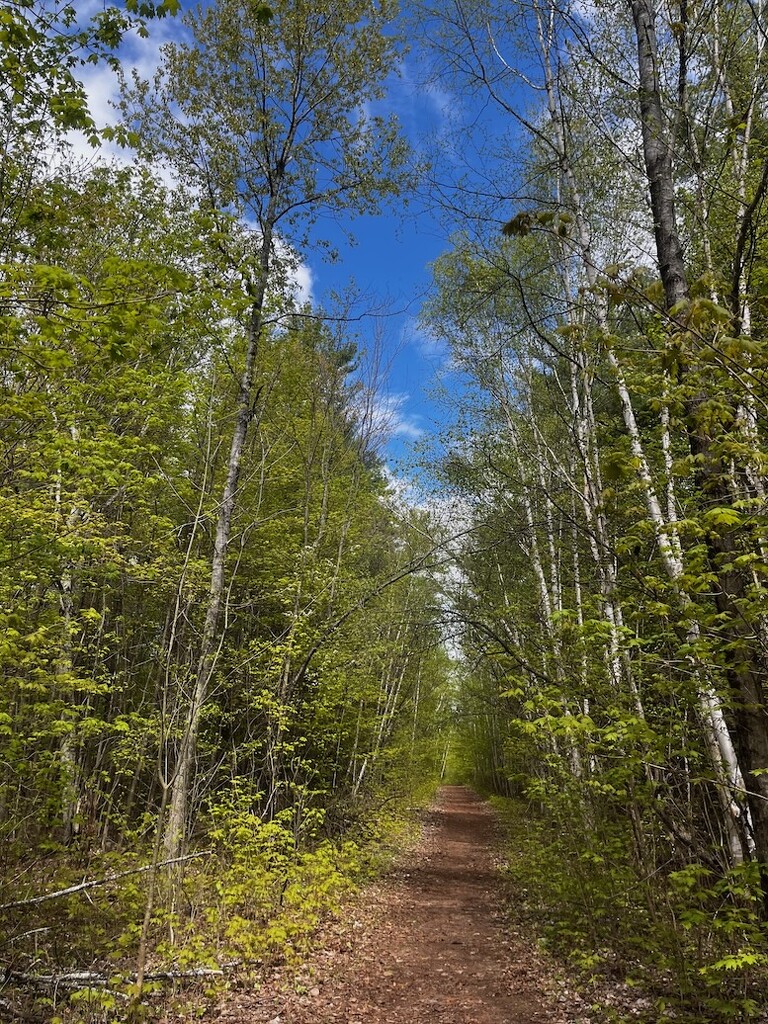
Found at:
(426, 945)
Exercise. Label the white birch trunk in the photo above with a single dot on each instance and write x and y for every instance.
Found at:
(719, 741)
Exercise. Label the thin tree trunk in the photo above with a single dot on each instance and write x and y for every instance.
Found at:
(670, 255)
(209, 644)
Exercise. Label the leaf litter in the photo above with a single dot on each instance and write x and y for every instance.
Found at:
(426, 944)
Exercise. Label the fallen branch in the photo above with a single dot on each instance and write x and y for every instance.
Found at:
(33, 900)
(24, 935)
(92, 979)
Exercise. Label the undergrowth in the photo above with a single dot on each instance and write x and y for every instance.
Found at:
(253, 902)
(681, 946)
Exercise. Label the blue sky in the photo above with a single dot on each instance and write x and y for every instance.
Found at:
(389, 263)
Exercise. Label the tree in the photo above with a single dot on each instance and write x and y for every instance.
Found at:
(93, 374)
(716, 476)
(264, 120)
(211, 609)
(43, 45)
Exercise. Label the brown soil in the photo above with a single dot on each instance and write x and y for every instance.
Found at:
(427, 945)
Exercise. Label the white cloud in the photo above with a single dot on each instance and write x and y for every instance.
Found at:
(301, 282)
(298, 279)
(410, 90)
(443, 103)
(588, 11)
(382, 416)
(102, 87)
(448, 509)
(391, 419)
(424, 109)
(429, 345)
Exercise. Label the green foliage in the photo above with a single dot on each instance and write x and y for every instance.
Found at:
(692, 943)
(273, 101)
(609, 454)
(42, 46)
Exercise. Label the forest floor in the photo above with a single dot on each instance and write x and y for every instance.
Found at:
(427, 944)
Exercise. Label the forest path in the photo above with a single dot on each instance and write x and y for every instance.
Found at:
(426, 945)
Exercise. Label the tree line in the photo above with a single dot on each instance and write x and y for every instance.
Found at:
(222, 633)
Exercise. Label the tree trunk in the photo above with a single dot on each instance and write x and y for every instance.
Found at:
(658, 158)
(746, 672)
(209, 645)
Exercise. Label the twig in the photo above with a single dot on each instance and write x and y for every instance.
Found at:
(16, 1013)
(24, 935)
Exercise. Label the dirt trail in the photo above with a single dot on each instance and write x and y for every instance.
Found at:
(425, 946)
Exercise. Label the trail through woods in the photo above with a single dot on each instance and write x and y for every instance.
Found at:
(427, 944)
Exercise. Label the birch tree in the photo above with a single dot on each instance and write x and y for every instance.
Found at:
(746, 668)
(579, 67)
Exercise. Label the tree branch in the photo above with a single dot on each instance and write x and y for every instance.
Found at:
(34, 900)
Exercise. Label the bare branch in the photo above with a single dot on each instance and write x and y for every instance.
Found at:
(116, 876)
